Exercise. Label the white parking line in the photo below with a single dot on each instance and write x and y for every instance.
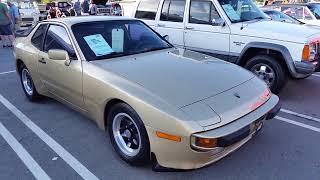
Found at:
(298, 124)
(64, 154)
(7, 72)
(316, 75)
(300, 115)
(26, 158)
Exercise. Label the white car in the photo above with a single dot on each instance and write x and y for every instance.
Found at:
(29, 13)
(236, 31)
(300, 12)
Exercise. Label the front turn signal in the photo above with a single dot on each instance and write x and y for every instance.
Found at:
(168, 136)
(306, 53)
(206, 142)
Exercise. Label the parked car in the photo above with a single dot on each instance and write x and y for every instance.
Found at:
(29, 13)
(314, 8)
(180, 108)
(298, 11)
(110, 9)
(280, 16)
(43, 11)
(236, 31)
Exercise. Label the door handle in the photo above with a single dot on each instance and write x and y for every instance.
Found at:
(42, 60)
(189, 27)
(161, 25)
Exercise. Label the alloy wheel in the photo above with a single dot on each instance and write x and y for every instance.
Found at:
(126, 134)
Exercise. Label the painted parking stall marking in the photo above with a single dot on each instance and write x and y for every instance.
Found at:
(56, 147)
(300, 115)
(26, 158)
(316, 75)
(7, 72)
(312, 128)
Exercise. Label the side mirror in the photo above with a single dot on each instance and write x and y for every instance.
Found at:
(218, 22)
(166, 37)
(57, 54)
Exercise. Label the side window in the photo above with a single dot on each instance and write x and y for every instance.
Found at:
(173, 10)
(37, 38)
(147, 9)
(57, 38)
(202, 12)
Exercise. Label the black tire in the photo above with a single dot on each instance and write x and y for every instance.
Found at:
(280, 74)
(34, 96)
(143, 155)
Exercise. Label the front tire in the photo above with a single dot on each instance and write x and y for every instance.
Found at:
(269, 70)
(128, 135)
(27, 84)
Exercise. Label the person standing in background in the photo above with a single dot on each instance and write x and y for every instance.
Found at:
(93, 10)
(77, 8)
(14, 15)
(85, 7)
(5, 26)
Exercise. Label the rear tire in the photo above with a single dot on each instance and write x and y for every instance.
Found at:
(27, 84)
(128, 135)
(269, 70)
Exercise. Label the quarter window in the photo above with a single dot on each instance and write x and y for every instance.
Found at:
(147, 9)
(37, 38)
(202, 12)
(57, 38)
(172, 10)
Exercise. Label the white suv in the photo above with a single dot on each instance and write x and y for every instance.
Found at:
(236, 31)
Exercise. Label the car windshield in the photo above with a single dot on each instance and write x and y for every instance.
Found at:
(279, 16)
(315, 9)
(241, 10)
(109, 39)
(298, 12)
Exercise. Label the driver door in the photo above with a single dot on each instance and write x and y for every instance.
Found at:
(61, 79)
(201, 34)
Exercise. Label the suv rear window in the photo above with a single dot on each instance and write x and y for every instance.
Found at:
(147, 9)
(173, 10)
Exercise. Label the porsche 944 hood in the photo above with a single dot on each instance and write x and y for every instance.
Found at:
(229, 106)
(178, 77)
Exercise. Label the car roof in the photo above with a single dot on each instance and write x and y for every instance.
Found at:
(80, 19)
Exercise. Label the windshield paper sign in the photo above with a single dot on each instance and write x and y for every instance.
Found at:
(98, 45)
(231, 12)
(117, 40)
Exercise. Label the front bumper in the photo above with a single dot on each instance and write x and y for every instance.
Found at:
(305, 69)
(180, 155)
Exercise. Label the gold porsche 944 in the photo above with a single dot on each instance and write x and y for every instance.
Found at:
(178, 108)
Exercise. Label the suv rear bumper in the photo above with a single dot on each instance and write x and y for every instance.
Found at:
(305, 69)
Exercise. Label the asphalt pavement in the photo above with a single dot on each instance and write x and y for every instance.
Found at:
(49, 140)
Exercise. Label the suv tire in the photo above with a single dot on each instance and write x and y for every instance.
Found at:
(269, 70)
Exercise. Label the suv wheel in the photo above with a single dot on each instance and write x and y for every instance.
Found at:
(27, 84)
(269, 70)
(128, 134)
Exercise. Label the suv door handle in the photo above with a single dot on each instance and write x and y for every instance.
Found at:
(189, 27)
(161, 25)
(42, 60)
